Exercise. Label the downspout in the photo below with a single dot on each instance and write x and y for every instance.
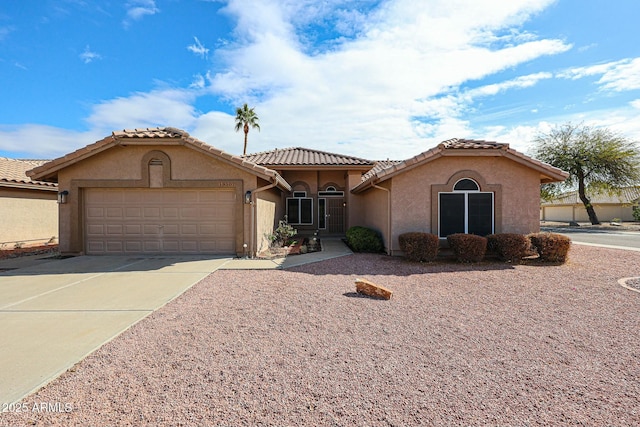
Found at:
(253, 243)
(388, 215)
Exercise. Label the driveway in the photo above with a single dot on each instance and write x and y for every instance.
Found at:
(56, 313)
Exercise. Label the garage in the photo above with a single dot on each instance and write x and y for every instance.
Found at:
(159, 221)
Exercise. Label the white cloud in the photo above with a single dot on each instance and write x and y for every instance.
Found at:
(617, 76)
(198, 48)
(368, 88)
(161, 107)
(44, 142)
(89, 56)
(138, 9)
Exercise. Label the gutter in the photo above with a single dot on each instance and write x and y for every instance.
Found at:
(388, 214)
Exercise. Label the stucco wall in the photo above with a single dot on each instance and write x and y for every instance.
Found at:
(28, 216)
(518, 198)
(579, 213)
(268, 213)
(374, 211)
(127, 167)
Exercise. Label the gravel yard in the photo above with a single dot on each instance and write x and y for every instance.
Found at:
(474, 345)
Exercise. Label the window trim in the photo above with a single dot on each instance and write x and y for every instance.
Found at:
(299, 199)
(466, 209)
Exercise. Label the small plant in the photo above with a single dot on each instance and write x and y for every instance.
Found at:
(468, 247)
(282, 235)
(363, 239)
(636, 213)
(551, 247)
(420, 247)
(510, 247)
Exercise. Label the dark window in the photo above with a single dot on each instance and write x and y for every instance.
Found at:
(466, 184)
(452, 217)
(465, 210)
(480, 213)
(322, 214)
(300, 210)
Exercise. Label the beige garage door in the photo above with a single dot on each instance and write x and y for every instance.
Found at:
(151, 221)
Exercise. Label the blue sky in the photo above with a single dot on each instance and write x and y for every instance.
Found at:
(376, 79)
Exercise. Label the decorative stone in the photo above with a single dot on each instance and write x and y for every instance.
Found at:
(363, 286)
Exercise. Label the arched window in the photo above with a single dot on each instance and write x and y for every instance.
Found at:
(465, 210)
(466, 184)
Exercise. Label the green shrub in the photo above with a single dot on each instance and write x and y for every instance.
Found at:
(282, 235)
(551, 247)
(363, 239)
(510, 247)
(636, 213)
(467, 247)
(419, 246)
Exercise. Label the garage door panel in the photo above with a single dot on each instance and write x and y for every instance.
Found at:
(170, 230)
(170, 212)
(133, 246)
(115, 229)
(160, 221)
(151, 212)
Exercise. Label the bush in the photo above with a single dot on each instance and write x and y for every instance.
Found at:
(636, 213)
(282, 235)
(419, 246)
(551, 247)
(468, 247)
(363, 239)
(510, 247)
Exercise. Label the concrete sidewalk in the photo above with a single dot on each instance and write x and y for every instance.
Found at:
(331, 248)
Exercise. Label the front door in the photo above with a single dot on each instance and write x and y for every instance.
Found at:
(331, 215)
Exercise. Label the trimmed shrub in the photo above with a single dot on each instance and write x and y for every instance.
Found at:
(510, 247)
(419, 246)
(363, 239)
(468, 247)
(551, 247)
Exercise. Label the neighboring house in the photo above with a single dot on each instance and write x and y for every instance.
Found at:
(28, 208)
(162, 191)
(568, 207)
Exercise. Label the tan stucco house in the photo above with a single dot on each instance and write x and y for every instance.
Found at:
(162, 191)
(568, 207)
(28, 208)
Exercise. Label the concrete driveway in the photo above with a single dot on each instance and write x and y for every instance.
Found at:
(57, 312)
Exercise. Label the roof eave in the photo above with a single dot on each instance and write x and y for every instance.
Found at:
(28, 186)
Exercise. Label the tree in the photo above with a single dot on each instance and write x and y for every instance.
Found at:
(597, 159)
(246, 117)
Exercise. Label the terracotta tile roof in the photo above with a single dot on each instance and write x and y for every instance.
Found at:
(379, 166)
(298, 156)
(49, 171)
(456, 144)
(13, 174)
(627, 195)
(167, 132)
(453, 147)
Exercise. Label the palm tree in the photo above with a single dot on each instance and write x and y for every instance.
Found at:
(246, 117)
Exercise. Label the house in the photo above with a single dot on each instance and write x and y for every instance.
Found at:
(568, 206)
(28, 207)
(162, 191)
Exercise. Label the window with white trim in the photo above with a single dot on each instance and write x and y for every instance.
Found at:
(300, 209)
(466, 209)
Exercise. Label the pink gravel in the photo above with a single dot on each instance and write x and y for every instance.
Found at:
(487, 344)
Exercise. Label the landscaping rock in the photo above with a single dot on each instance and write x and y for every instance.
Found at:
(363, 286)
